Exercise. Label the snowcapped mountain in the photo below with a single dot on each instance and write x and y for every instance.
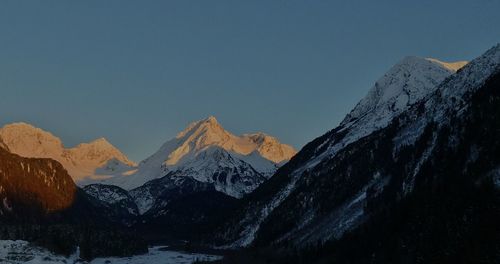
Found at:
(206, 152)
(406, 83)
(290, 190)
(433, 172)
(86, 162)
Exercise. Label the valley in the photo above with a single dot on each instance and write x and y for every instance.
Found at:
(329, 146)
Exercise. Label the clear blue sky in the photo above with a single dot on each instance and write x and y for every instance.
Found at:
(137, 72)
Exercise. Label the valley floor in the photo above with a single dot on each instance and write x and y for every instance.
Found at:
(14, 252)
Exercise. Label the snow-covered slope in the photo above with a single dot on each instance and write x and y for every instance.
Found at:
(409, 81)
(431, 172)
(113, 196)
(445, 136)
(206, 152)
(20, 251)
(406, 83)
(85, 163)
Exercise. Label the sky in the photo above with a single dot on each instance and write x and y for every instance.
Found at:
(138, 72)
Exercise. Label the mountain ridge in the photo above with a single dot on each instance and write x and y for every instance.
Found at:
(427, 185)
(197, 150)
(85, 162)
(415, 75)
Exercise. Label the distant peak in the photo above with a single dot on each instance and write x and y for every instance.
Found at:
(453, 66)
(29, 141)
(100, 140)
(20, 125)
(22, 131)
(99, 143)
(211, 119)
(210, 124)
(102, 149)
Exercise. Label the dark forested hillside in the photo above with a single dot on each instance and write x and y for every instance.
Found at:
(422, 190)
(41, 204)
(184, 210)
(452, 215)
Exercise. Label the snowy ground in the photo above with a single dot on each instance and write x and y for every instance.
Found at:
(13, 252)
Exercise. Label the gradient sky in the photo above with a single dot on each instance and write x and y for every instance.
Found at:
(137, 72)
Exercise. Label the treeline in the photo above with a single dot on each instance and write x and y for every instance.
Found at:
(427, 227)
(63, 239)
(452, 214)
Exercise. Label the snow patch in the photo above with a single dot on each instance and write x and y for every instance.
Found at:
(19, 251)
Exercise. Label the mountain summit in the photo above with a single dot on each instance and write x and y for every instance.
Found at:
(409, 81)
(205, 149)
(208, 132)
(85, 163)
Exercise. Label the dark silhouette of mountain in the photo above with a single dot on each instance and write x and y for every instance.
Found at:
(423, 189)
(118, 203)
(184, 210)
